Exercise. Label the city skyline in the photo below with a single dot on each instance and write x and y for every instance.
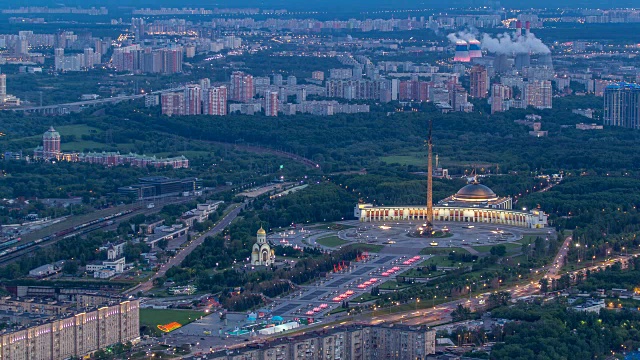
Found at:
(305, 181)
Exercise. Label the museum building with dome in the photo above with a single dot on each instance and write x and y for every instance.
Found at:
(475, 194)
(473, 203)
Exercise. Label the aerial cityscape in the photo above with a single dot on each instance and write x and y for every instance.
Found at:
(280, 180)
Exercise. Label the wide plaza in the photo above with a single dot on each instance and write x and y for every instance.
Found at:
(398, 237)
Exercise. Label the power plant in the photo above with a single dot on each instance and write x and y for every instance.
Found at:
(462, 51)
(509, 49)
(475, 51)
(522, 60)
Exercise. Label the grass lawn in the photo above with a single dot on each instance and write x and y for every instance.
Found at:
(405, 160)
(364, 298)
(392, 285)
(414, 273)
(77, 130)
(331, 241)
(515, 259)
(337, 310)
(438, 261)
(419, 158)
(511, 247)
(66, 130)
(529, 239)
(154, 317)
(372, 248)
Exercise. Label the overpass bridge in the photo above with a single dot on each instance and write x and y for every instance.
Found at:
(65, 108)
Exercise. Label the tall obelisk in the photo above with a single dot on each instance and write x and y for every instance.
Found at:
(429, 219)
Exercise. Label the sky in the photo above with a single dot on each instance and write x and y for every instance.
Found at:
(326, 5)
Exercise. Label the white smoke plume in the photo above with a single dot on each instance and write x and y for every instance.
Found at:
(505, 43)
(462, 35)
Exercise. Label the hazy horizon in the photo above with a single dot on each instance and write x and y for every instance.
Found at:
(333, 5)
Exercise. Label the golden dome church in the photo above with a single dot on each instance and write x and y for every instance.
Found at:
(262, 254)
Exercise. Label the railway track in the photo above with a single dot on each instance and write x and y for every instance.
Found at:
(11, 254)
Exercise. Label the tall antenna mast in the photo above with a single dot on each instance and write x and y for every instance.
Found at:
(429, 179)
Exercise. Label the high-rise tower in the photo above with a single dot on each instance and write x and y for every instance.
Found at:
(429, 219)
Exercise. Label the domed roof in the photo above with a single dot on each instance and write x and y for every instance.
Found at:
(261, 231)
(51, 134)
(475, 192)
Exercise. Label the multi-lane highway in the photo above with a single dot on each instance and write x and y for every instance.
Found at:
(179, 257)
(558, 261)
(87, 103)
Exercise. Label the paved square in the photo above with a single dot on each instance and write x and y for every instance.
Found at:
(313, 295)
(383, 260)
(362, 270)
(339, 282)
(285, 309)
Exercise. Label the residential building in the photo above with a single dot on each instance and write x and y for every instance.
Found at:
(499, 94)
(318, 75)
(622, 105)
(50, 148)
(115, 159)
(479, 81)
(340, 74)
(241, 88)
(582, 126)
(74, 336)
(590, 305)
(271, 103)
(172, 104)
(137, 59)
(538, 93)
(381, 342)
(3, 87)
(151, 100)
(215, 101)
(192, 99)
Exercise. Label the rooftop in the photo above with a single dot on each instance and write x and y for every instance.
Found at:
(475, 192)
(623, 85)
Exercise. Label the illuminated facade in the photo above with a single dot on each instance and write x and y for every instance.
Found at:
(262, 253)
(474, 203)
(380, 342)
(622, 105)
(74, 336)
(50, 148)
(241, 88)
(215, 101)
(479, 81)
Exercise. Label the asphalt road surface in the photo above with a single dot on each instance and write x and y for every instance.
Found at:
(558, 261)
(176, 260)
